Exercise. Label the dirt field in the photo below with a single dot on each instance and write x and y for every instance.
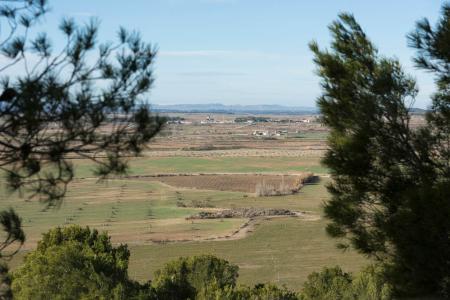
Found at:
(246, 183)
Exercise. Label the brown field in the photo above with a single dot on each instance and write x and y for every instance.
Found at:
(224, 135)
(247, 183)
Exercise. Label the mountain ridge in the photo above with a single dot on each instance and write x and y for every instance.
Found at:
(234, 109)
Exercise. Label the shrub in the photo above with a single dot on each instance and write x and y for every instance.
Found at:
(185, 277)
(258, 292)
(371, 284)
(213, 292)
(329, 284)
(209, 278)
(76, 263)
(335, 284)
(267, 292)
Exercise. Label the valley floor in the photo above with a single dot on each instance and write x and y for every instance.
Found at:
(152, 212)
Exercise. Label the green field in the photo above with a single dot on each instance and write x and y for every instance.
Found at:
(132, 211)
(145, 165)
(147, 216)
(283, 251)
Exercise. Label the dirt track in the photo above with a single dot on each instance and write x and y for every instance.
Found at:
(245, 229)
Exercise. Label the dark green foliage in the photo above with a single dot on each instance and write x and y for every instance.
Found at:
(17, 17)
(207, 277)
(329, 284)
(258, 292)
(5, 282)
(12, 226)
(433, 46)
(334, 284)
(371, 284)
(433, 54)
(76, 263)
(185, 277)
(111, 261)
(391, 184)
(213, 292)
(265, 292)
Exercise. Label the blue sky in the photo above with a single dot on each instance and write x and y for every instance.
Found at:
(247, 51)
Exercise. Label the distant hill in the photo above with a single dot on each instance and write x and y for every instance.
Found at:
(247, 109)
(235, 109)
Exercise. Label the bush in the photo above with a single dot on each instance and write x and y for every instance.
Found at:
(267, 292)
(335, 284)
(371, 284)
(213, 292)
(76, 263)
(79, 263)
(185, 277)
(258, 292)
(329, 284)
(209, 278)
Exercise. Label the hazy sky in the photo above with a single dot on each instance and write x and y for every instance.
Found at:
(247, 51)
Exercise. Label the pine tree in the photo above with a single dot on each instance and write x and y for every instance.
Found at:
(390, 183)
(83, 100)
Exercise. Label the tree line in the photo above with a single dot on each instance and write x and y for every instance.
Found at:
(80, 263)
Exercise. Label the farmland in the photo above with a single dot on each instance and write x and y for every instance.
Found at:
(193, 168)
(236, 182)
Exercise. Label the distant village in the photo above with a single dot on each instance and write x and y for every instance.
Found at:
(250, 121)
(209, 119)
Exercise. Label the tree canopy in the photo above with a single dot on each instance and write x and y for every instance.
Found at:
(335, 284)
(391, 183)
(186, 277)
(76, 263)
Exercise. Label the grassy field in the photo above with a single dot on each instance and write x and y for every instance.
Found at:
(140, 210)
(146, 165)
(151, 216)
(132, 211)
(283, 251)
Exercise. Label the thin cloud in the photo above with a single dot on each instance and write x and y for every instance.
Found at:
(221, 53)
(211, 74)
(195, 53)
